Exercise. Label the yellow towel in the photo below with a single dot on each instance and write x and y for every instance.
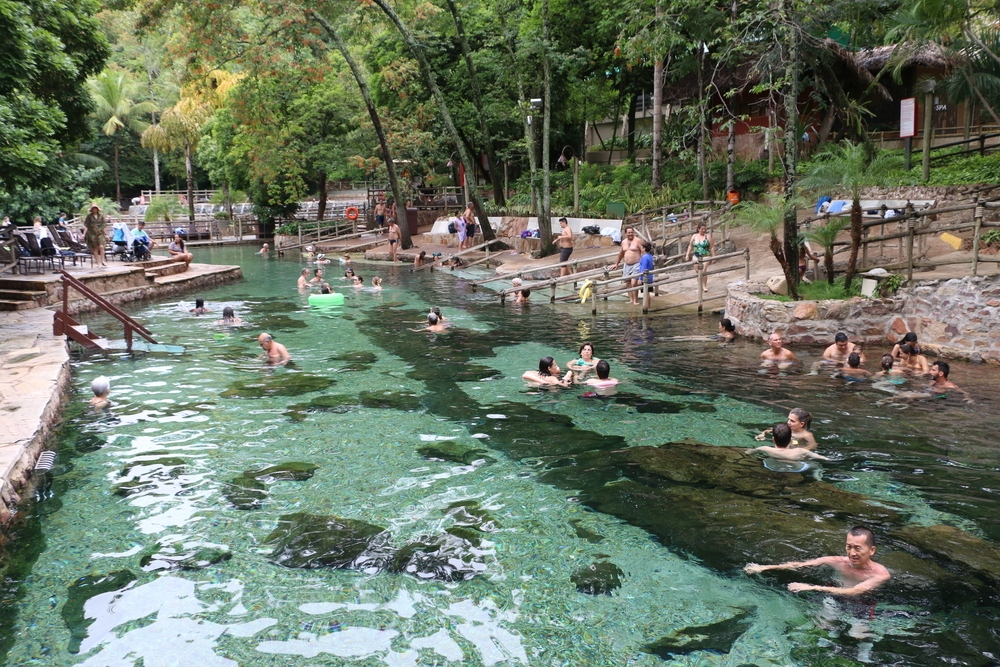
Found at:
(952, 240)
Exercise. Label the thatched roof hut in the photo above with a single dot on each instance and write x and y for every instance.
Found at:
(912, 55)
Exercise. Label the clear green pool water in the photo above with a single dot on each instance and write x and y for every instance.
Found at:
(561, 483)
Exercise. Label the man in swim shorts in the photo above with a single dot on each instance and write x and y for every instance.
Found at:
(631, 253)
(565, 246)
(781, 436)
(380, 214)
(776, 354)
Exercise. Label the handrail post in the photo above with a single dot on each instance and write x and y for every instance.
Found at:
(910, 225)
(746, 257)
(978, 219)
(552, 297)
(645, 292)
(593, 302)
(65, 295)
(701, 292)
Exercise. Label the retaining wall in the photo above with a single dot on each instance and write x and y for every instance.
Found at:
(955, 318)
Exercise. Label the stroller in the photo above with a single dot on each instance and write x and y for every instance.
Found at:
(122, 243)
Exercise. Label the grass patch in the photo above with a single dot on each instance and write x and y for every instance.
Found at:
(821, 291)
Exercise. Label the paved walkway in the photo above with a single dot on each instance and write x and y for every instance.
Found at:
(34, 370)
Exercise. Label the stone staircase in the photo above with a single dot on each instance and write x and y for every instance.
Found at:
(159, 267)
(21, 295)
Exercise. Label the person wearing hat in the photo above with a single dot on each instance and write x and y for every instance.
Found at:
(94, 236)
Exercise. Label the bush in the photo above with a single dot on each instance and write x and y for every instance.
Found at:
(164, 207)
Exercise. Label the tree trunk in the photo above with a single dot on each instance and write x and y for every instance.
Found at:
(826, 125)
(702, 113)
(828, 263)
(856, 228)
(614, 126)
(321, 209)
(731, 157)
(359, 78)
(477, 99)
(657, 115)
(229, 201)
(190, 179)
(545, 215)
(630, 139)
(118, 183)
(791, 156)
(156, 170)
(778, 250)
(431, 82)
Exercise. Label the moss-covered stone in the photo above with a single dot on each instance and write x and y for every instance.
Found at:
(245, 493)
(290, 471)
(449, 450)
(598, 578)
(176, 557)
(162, 462)
(955, 546)
(585, 534)
(390, 400)
(717, 638)
(304, 540)
(278, 384)
(82, 590)
(645, 405)
(359, 357)
(446, 557)
(470, 513)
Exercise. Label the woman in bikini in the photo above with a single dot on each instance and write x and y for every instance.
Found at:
(701, 246)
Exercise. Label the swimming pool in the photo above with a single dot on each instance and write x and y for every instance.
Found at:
(472, 510)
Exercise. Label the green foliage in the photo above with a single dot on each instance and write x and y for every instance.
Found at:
(107, 206)
(164, 207)
(50, 48)
(65, 191)
(889, 286)
(821, 291)
(991, 238)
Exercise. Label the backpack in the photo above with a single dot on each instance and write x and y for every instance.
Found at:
(451, 228)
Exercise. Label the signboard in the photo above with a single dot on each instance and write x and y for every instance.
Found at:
(908, 117)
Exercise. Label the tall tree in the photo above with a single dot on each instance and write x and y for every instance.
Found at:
(180, 128)
(116, 110)
(545, 214)
(362, 81)
(430, 81)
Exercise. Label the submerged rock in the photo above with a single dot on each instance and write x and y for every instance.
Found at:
(278, 384)
(447, 557)
(449, 450)
(162, 462)
(956, 546)
(177, 557)
(290, 471)
(310, 540)
(245, 493)
(82, 590)
(343, 403)
(585, 534)
(390, 400)
(598, 578)
(716, 638)
(469, 513)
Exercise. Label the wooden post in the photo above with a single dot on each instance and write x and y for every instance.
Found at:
(746, 259)
(663, 232)
(552, 298)
(864, 247)
(910, 224)
(576, 186)
(982, 146)
(645, 292)
(701, 292)
(593, 302)
(128, 337)
(691, 217)
(978, 219)
(928, 111)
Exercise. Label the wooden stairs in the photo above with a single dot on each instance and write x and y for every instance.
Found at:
(64, 324)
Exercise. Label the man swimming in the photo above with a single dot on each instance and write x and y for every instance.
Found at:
(940, 384)
(841, 349)
(776, 353)
(303, 282)
(857, 572)
(853, 371)
(603, 379)
(434, 324)
(276, 352)
(781, 436)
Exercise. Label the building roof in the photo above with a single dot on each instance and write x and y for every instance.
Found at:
(924, 55)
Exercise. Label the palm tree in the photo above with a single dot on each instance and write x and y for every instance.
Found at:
(767, 217)
(180, 128)
(825, 235)
(113, 98)
(849, 167)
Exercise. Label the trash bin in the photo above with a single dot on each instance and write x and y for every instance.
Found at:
(412, 220)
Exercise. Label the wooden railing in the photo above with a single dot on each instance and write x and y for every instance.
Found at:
(64, 324)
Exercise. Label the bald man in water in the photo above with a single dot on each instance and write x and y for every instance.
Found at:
(275, 351)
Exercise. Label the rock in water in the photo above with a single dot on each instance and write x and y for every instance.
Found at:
(715, 637)
(82, 590)
(291, 471)
(447, 557)
(454, 452)
(245, 493)
(310, 540)
(177, 557)
(598, 578)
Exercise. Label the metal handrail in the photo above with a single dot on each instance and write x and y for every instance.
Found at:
(105, 305)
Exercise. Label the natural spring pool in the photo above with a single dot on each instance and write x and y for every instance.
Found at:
(154, 547)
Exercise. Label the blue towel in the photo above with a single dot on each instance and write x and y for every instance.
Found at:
(837, 206)
(822, 200)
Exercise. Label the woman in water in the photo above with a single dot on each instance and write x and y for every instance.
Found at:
(547, 374)
(727, 330)
(229, 317)
(101, 387)
(701, 246)
(799, 421)
(376, 283)
(910, 338)
(584, 364)
(199, 307)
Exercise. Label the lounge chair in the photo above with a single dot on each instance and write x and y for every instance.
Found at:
(73, 249)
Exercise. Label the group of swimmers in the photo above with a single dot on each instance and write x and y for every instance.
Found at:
(550, 375)
(317, 280)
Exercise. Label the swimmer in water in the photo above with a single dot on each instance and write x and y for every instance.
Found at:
(376, 283)
(275, 352)
(357, 281)
(889, 367)
(799, 421)
(522, 296)
(853, 371)
(303, 282)
(317, 278)
(101, 387)
(199, 307)
(547, 374)
(727, 330)
(910, 338)
(781, 436)
(940, 384)
(776, 353)
(912, 362)
(584, 364)
(836, 355)
(433, 325)
(603, 379)
(229, 317)
(264, 250)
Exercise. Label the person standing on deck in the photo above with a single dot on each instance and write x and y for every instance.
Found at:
(393, 239)
(470, 225)
(631, 253)
(565, 246)
(94, 235)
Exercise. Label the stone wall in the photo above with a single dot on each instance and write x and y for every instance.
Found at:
(956, 318)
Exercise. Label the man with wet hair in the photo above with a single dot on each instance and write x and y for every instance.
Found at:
(841, 349)
(776, 353)
(857, 572)
(275, 351)
(940, 384)
(853, 371)
(781, 435)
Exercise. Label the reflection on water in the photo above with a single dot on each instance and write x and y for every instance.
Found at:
(155, 548)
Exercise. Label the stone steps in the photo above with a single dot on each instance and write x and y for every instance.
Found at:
(17, 304)
(21, 299)
(169, 269)
(152, 263)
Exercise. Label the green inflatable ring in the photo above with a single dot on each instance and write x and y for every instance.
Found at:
(333, 299)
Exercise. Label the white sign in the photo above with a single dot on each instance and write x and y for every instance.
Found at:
(908, 117)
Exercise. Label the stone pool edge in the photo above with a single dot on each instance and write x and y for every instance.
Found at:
(35, 375)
